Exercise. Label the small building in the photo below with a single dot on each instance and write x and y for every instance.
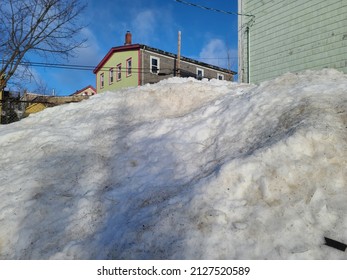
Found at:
(86, 91)
(137, 64)
(38, 102)
(279, 36)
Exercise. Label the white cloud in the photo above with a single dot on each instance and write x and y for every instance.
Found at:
(144, 25)
(152, 26)
(90, 53)
(216, 52)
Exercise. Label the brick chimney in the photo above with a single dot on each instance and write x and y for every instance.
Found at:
(127, 38)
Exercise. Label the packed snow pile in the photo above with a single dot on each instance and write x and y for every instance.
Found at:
(182, 169)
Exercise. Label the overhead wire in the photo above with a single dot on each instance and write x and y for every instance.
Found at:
(78, 67)
(140, 70)
(212, 9)
(92, 67)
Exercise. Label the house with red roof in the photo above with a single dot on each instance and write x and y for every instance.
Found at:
(137, 64)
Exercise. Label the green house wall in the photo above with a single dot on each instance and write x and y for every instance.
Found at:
(291, 36)
(125, 81)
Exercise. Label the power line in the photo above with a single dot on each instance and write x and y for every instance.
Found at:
(92, 67)
(72, 66)
(212, 9)
(56, 65)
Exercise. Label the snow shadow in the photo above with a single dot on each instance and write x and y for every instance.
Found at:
(100, 192)
(144, 191)
(62, 213)
(136, 185)
(158, 166)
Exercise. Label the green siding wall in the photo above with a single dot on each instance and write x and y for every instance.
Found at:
(125, 81)
(293, 35)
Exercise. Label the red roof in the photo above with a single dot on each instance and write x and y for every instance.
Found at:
(83, 89)
(113, 50)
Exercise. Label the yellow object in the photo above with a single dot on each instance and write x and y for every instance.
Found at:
(34, 108)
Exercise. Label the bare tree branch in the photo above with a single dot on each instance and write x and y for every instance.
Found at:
(41, 26)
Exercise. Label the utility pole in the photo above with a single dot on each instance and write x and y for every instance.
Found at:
(178, 61)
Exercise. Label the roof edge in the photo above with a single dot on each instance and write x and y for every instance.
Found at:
(194, 61)
(159, 51)
(83, 89)
(111, 51)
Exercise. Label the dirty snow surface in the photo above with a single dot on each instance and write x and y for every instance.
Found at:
(182, 169)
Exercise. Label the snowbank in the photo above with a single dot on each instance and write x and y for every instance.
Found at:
(182, 169)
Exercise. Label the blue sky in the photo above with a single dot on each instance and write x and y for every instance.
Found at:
(206, 35)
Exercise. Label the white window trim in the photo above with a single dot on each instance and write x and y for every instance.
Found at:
(127, 67)
(111, 76)
(102, 80)
(119, 71)
(158, 64)
(202, 72)
(220, 75)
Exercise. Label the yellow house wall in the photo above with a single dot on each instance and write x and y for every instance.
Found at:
(125, 81)
(34, 108)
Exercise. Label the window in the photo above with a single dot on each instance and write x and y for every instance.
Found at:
(129, 67)
(119, 72)
(101, 80)
(155, 64)
(220, 76)
(199, 73)
(110, 79)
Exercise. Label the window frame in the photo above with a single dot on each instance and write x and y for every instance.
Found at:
(119, 72)
(129, 70)
(197, 73)
(111, 76)
(102, 80)
(220, 75)
(151, 64)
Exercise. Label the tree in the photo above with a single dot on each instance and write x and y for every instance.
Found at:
(43, 27)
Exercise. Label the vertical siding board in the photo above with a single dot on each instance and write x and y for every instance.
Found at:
(293, 35)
